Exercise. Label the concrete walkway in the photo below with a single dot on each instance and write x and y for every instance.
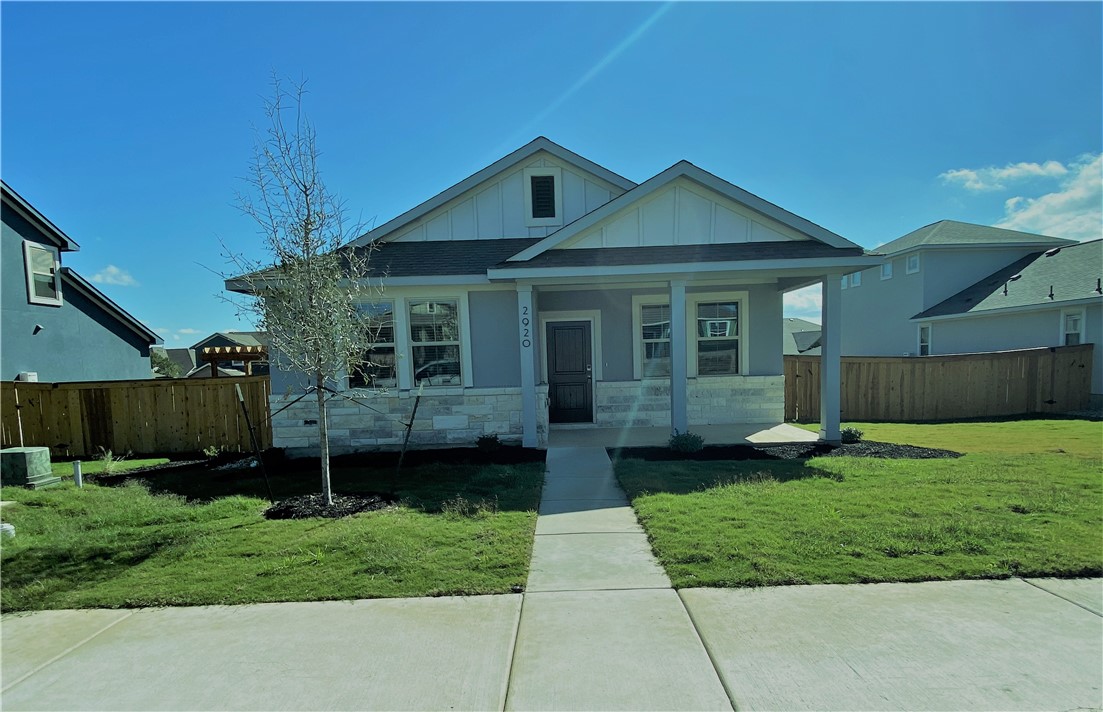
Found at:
(601, 628)
(598, 629)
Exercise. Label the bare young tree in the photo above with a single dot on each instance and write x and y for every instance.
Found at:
(310, 290)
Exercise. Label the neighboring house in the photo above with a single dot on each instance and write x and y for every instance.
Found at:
(55, 324)
(183, 358)
(954, 287)
(233, 364)
(546, 289)
(801, 337)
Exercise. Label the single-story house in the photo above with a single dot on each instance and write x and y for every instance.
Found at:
(546, 289)
(56, 325)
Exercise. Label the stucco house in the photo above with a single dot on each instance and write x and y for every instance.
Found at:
(56, 324)
(954, 287)
(546, 290)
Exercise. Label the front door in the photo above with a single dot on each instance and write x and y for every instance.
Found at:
(570, 386)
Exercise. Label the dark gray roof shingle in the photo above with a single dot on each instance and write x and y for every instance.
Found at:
(444, 257)
(1074, 272)
(682, 254)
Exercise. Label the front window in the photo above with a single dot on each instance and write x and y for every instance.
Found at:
(912, 264)
(925, 340)
(886, 270)
(655, 336)
(43, 277)
(1073, 329)
(376, 368)
(856, 279)
(717, 338)
(435, 342)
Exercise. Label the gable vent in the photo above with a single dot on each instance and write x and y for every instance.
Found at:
(543, 196)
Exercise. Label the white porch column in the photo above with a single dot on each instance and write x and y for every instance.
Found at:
(526, 332)
(830, 361)
(678, 356)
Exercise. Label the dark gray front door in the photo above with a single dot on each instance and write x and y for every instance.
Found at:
(570, 386)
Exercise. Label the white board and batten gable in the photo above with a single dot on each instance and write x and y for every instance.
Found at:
(683, 213)
(496, 202)
(684, 205)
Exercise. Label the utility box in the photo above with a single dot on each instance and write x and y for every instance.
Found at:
(26, 467)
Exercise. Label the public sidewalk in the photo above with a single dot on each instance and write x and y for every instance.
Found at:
(599, 628)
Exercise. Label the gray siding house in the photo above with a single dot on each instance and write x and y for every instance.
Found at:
(54, 322)
(547, 290)
(953, 287)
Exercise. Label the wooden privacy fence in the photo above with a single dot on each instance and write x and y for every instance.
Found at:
(1045, 380)
(159, 416)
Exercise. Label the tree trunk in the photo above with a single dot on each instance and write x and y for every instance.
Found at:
(323, 439)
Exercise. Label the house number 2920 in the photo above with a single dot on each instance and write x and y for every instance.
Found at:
(526, 340)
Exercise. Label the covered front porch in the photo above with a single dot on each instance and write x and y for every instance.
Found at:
(636, 436)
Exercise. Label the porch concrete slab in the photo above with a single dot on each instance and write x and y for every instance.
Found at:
(783, 433)
(737, 434)
(397, 654)
(1085, 592)
(963, 645)
(593, 562)
(611, 650)
(32, 640)
(591, 517)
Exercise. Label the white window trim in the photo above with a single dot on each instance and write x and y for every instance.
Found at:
(692, 300)
(886, 274)
(557, 174)
(343, 376)
(856, 279)
(1065, 313)
(919, 339)
(464, 339)
(908, 269)
(31, 296)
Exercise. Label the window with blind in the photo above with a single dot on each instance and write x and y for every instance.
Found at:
(43, 276)
(435, 342)
(718, 338)
(376, 368)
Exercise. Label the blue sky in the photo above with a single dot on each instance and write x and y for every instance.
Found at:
(129, 124)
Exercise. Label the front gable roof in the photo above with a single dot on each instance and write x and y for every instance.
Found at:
(500, 166)
(52, 232)
(686, 170)
(951, 233)
(1059, 276)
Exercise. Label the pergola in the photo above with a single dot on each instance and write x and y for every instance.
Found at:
(249, 354)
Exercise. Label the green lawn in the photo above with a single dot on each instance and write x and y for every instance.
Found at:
(1027, 499)
(199, 538)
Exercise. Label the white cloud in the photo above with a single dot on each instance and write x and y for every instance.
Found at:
(1074, 211)
(804, 303)
(176, 337)
(113, 275)
(188, 331)
(993, 178)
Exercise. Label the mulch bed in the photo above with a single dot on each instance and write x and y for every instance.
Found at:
(791, 451)
(504, 455)
(313, 505)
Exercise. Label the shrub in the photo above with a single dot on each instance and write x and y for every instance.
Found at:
(851, 435)
(686, 442)
(488, 443)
